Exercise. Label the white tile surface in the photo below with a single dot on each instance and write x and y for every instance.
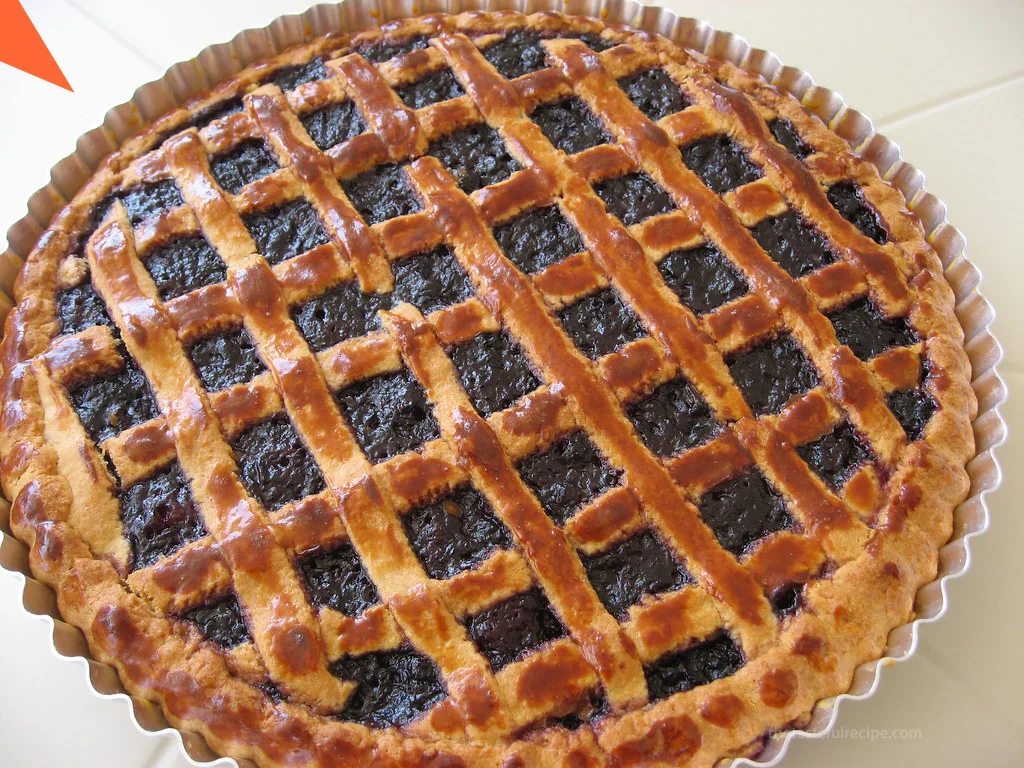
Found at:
(954, 110)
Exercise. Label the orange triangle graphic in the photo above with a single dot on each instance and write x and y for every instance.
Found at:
(23, 48)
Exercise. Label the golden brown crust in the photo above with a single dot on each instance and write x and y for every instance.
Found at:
(880, 533)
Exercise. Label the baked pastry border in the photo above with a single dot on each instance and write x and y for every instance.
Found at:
(41, 501)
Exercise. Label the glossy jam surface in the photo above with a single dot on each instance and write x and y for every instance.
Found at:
(381, 193)
(220, 621)
(743, 510)
(80, 307)
(430, 281)
(600, 323)
(291, 77)
(672, 418)
(159, 516)
(836, 455)
(634, 198)
(567, 475)
(771, 373)
(388, 414)
(720, 163)
(849, 201)
(493, 371)
(914, 408)
(109, 404)
(434, 88)
(513, 627)
(637, 566)
(183, 265)
(343, 312)
(337, 579)
(867, 332)
(393, 687)
(713, 659)
(380, 52)
(654, 93)
(241, 166)
(570, 125)
(476, 156)
(782, 131)
(702, 278)
(454, 533)
(274, 464)
(538, 239)
(516, 54)
(225, 359)
(286, 231)
(333, 124)
(148, 200)
(796, 247)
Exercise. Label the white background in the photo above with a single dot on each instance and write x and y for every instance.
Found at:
(943, 79)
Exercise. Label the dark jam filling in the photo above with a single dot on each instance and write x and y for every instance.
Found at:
(434, 88)
(243, 165)
(96, 216)
(383, 51)
(796, 247)
(720, 163)
(654, 93)
(600, 323)
(220, 622)
(784, 133)
(344, 312)
(634, 198)
(673, 418)
(787, 600)
(290, 77)
(702, 278)
(274, 464)
(476, 156)
(637, 566)
(81, 307)
(114, 402)
(159, 516)
(516, 54)
(454, 533)
(493, 370)
(594, 41)
(568, 475)
(863, 329)
(744, 510)
(338, 579)
(381, 193)
(913, 408)
(717, 657)
(538, 239)
(183, 265)
(849, 201)
(570, 125)
(836, 455)
(389, 414)
(514, 627)
(286, 231)
(430, 281)
(334, 124)
(393, 687)
(771, 373)
(213, 112)
(148, 200)
(226, 359)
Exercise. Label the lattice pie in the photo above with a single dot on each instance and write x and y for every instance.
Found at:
(488, 390)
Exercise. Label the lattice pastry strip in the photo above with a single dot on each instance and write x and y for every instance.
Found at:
(283, 627)
(364, 504)
(593, 403)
